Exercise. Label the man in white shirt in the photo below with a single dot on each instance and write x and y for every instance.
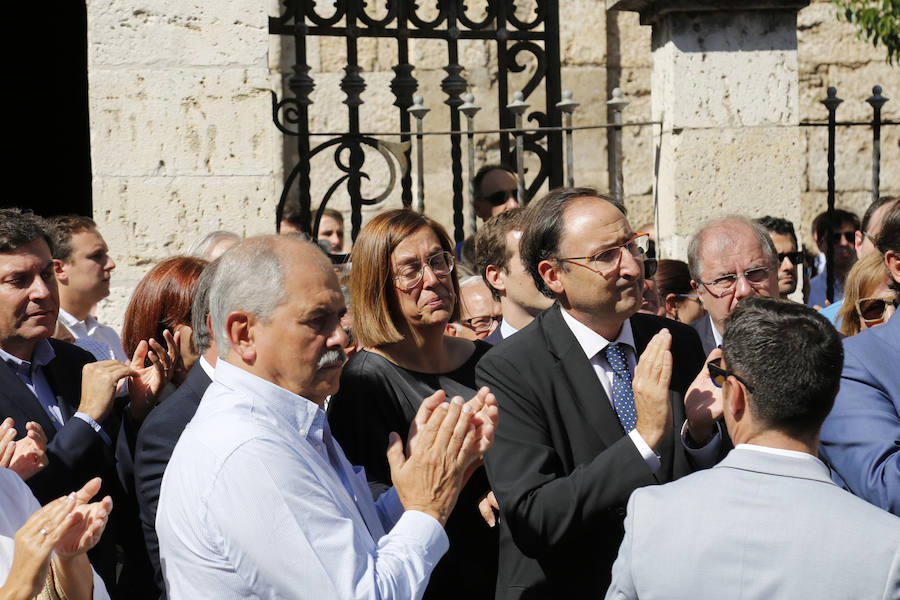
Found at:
(499, 264)
(730, 259)
(82, 266)
(766, 522)
(258, 499)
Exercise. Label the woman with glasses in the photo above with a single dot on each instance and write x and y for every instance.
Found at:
(868, 298)
(673, 280)
(403, 292)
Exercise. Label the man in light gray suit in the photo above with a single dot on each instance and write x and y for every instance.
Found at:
(766, 522)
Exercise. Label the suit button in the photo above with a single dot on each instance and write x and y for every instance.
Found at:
(620, 511)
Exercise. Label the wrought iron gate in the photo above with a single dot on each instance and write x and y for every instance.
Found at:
(402, 21)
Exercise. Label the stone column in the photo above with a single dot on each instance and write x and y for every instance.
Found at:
(725, 88)
(182, 139)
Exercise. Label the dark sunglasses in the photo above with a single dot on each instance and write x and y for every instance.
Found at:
(500, 197)
(719, 375)
(650, 266)
(849, 237)
(796, 258)
(872, 310)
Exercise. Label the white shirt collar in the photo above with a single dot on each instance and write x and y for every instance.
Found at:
(207, 368)
(41, 355)
(716, 335)
(592, 342)
(506, 329)
(822, 467)
(70, 321)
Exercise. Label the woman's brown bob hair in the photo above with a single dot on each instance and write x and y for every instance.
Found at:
(161, 301)
(372, 291)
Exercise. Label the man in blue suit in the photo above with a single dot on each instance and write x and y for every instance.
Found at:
(161, 430)
(767, 521)
(861, 437)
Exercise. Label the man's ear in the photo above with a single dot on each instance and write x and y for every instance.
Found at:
(240, 328)
(549, 271)
(495, 277)
(450, 329)
(737, 399)
(59, 271)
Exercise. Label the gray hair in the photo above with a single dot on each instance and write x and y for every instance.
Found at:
(200, 307)
(202, 247)
(700, 239)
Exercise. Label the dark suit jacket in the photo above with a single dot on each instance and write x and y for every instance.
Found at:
(155, 442)
(704, 328)
(561, 465)
(75, 451)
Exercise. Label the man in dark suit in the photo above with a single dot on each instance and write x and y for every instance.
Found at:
(730, 259)
(58, 385)
(575, 438)
(162, 428)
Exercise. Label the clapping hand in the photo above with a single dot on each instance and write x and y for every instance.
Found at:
(26, 456)
(147, 382)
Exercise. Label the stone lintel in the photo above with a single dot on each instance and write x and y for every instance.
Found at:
(652, 10)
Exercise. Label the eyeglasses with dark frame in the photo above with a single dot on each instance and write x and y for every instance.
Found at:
(720, 375)
(849, 237)
(726, 283)
(482, 324)
(871, 310)
(796, 258)
(501, 197)
(410, 275)
(608, 259)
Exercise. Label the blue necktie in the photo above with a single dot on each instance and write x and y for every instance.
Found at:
(622, 394)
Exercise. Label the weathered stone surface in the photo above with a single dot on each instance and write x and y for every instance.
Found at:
(824, 39)
(581, 33)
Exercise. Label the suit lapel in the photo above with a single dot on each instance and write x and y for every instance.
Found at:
(56, 372)
(578, 372)
(26, 404)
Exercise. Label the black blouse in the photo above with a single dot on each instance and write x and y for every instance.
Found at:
(377, 397)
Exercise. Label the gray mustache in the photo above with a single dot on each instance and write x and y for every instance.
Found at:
(331, 358)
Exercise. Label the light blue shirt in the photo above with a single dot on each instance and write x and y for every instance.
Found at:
(258, 501)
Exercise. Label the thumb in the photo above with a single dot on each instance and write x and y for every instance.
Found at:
(395, 457)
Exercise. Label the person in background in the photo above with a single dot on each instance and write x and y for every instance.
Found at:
(331, 230)
(83, 267)
(212, 245)
(404, 292)
(495, 191)
(479, 313)
(673, 281)
(162, 301)
(651, 302)
(868, 298)
(843, 236)
(789, 257)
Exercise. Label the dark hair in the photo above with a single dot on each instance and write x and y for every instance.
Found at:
(334, 214)
(63, 229)
(490, 243)
(19, 227)
(792, 358)
(889, 238)
(821, 226)
(291, 214)
(161, 301)
(544, 228)
(482, 173)
(673, 277)
(778, 225)
(200, 307)
(876, 204)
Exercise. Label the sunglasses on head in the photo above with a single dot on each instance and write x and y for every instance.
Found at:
(849, 237)
(796, 258)
(872, 310)
(500, 197)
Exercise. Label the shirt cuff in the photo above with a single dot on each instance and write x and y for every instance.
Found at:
(95, 426)
(650, 457)
(425, 531)
(707, 455)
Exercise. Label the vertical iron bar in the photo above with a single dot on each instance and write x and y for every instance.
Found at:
(517, 108)
(876, 101)
(469, 108)
(831, 102)
(353, 85)
(567, 106)
(552, 86)
(406, 101)
(454, 85)
(419, 110)
(506, 120)
(616, 176)
(301, 85)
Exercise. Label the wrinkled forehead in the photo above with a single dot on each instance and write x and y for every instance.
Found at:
(731, 247)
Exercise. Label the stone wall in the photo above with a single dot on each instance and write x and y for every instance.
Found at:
(183, 143)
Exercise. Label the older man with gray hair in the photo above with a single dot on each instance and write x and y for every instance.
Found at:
(730, 259)
(258, 499)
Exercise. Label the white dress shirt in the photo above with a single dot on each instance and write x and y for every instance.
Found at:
(593, 344)
(95, 337)
(716, 335)
(258, 501)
